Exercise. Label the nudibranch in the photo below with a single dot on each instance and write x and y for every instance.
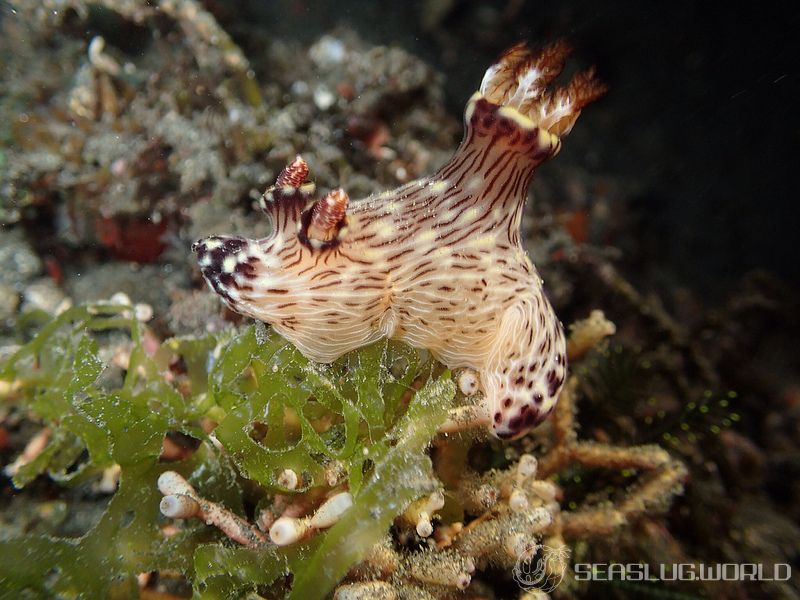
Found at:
(436, 263)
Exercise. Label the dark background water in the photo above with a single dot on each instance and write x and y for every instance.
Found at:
(702, 108)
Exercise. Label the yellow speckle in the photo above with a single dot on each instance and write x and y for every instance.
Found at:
(437, 187)
(386, 229)
(547, 139)
(426, 236)
(474, 183)
(373, 253)
(471, 105)
(514, 115)
(469, 214)
(484, 241)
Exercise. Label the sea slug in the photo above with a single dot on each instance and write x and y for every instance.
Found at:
(436, 263)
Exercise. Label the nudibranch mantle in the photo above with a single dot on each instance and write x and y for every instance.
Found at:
(436, 263)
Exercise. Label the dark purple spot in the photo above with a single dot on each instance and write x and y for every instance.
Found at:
(538, 398)
(507, 402)
(245, 268)
(232, 245)
(553, 386)
(498, 417)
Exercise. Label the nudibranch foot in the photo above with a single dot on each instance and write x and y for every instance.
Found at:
(437, 263)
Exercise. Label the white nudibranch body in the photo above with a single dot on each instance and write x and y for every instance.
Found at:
(437, 263)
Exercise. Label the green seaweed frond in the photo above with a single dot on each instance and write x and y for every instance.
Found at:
(272, 410)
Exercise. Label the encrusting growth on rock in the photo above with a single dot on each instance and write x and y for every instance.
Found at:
(437, 263)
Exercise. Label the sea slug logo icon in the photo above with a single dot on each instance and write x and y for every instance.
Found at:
(541, 567)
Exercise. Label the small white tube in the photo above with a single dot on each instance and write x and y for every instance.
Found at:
(468, 382)
(435, 501)
(424, 526)
(330, 511)
(288, 479)
(179, 506)
(527, 466)
(543, 489)
(170, 482)
(518, 501)
(288, 530)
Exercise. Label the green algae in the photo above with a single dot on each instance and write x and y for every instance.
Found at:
(273, 409)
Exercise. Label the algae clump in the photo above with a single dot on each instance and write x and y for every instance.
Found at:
(254, 406)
